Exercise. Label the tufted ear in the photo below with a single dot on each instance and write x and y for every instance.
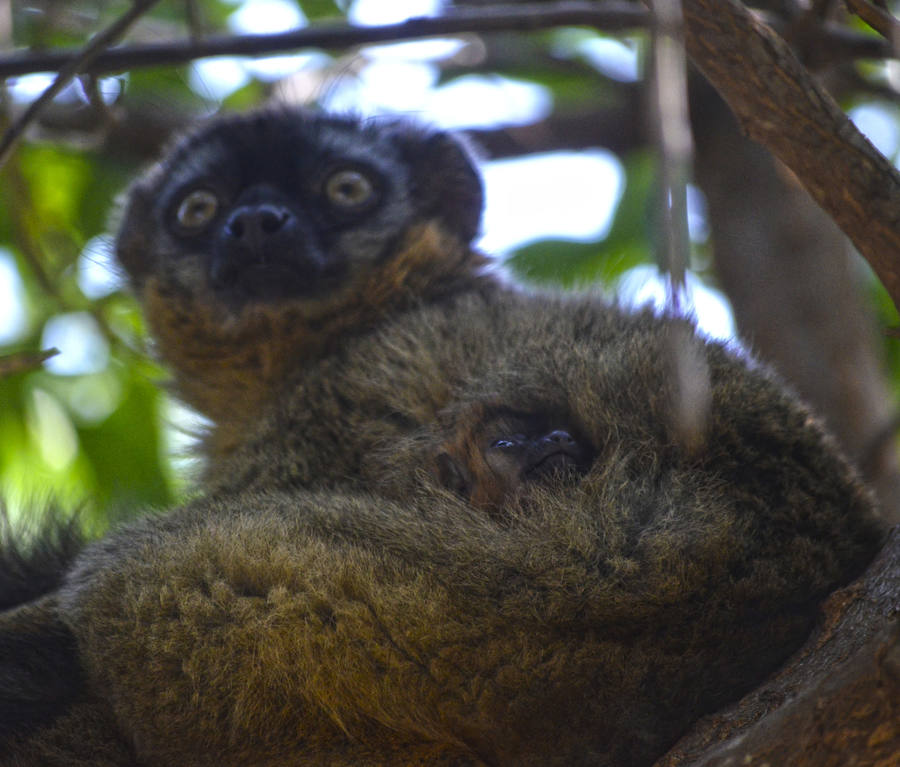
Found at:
(446, 182)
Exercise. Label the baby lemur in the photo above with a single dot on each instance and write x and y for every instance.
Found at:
(310, 281)
(492, 452)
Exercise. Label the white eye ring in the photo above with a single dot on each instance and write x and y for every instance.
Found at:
(349, 189)
(197, 209)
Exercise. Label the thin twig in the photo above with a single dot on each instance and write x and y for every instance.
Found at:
(91, 84)
(31, 251)
(23, 238)
(21, 362)
(668, 69)
(78, 63)
(826, 42)
(194, 23)
(611, 15)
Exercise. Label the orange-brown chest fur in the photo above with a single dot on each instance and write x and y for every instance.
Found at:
(230, 366)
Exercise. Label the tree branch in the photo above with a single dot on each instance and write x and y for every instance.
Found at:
(20, 362)
(781, 106)
(67, 70)
(611, 15)
(881, 21)
(835, 702)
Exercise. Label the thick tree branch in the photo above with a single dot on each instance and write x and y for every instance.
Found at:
(836, 702)
(782, 107)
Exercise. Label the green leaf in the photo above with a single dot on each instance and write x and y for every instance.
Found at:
(58, 181)
(252, 94)
(632, 222)
(323, 9)
(571, 264)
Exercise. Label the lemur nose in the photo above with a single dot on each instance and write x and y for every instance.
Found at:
(255, 223)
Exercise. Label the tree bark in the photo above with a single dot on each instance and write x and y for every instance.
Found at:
(780, 105)
(836, 703)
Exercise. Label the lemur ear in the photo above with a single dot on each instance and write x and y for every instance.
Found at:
(446, 182)
(133, 219)
(453, 476)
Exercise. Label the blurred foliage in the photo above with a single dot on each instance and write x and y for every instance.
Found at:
(569, 264)
(101, 434)
(91, 437)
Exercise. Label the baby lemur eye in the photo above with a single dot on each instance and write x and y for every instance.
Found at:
(349, 189)
(197, 209)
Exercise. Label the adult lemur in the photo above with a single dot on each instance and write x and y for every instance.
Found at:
(311, 283)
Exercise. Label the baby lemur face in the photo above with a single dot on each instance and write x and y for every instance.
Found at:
(489, 460)
(285, 204)
(532, 453)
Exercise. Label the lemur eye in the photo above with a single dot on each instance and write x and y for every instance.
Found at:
(197, 209)
(349, 189)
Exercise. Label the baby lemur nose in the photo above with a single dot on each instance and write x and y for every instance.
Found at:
(254, 225)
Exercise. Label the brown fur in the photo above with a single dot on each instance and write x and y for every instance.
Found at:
(463, 461)
(231, 368)
(47, 719)
(86, 735)
(590, 625)
(230, 361)
(464, 449)
(292, 617)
